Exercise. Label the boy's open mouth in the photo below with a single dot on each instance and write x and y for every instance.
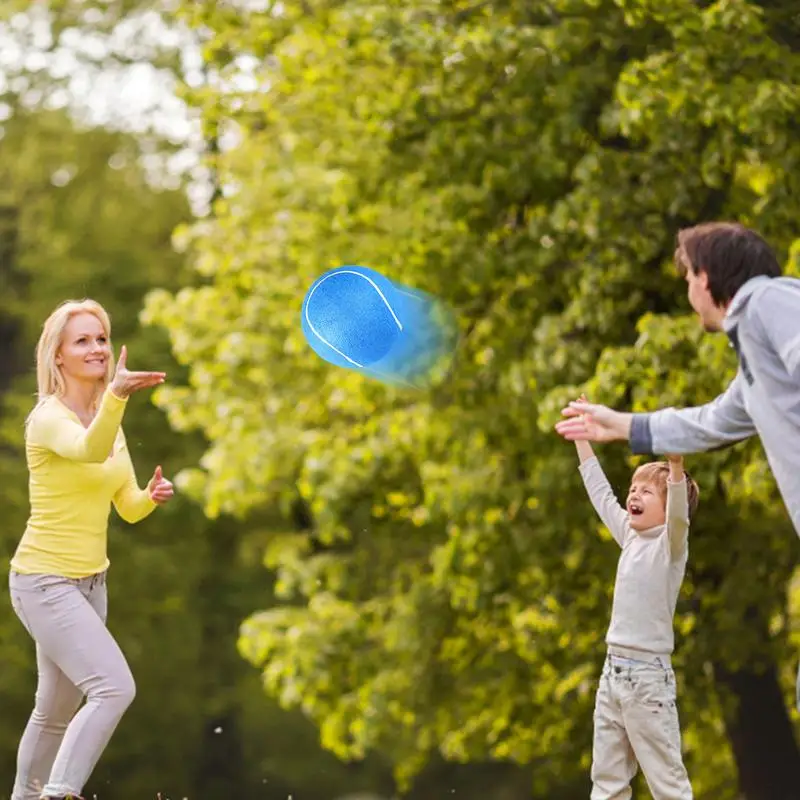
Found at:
(636, 509)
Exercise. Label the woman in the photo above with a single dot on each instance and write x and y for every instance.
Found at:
(78, 465)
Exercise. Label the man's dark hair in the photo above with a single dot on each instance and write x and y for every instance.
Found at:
(729, 253)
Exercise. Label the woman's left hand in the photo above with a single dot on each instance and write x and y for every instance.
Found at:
(159, 488)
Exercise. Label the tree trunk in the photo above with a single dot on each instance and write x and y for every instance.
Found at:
(760, 732)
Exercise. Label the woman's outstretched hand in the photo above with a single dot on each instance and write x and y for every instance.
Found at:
(125, 382)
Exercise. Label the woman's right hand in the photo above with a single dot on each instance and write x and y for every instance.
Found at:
(125, 382)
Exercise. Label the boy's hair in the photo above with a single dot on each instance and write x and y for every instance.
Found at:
(656, 474)
(729, 253)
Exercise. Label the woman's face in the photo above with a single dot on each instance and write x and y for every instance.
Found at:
(85, 350)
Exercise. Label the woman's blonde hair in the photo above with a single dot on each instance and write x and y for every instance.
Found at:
(49, 378)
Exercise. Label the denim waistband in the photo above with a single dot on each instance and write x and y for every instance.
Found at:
(628, 657)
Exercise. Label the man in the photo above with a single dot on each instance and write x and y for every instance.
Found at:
(735, 285)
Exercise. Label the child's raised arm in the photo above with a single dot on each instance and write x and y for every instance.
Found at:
(605, 503)
(585, 450)
(677, 507)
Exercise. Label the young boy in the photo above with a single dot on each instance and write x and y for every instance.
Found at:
(636, 715)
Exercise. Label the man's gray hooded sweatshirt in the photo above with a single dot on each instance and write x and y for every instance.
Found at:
(763, 325)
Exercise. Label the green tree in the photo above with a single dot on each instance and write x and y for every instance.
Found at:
(87, 224)
(80, 218)
(445, 587)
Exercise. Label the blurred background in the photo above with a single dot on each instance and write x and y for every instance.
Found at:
(363, 592)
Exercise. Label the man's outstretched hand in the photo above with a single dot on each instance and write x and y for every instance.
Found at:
(590, 422)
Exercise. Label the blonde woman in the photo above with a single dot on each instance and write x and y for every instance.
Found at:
(79, 465)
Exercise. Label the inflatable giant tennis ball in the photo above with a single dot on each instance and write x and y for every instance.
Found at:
(355, 318)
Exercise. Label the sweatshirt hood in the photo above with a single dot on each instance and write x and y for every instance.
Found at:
(742, 298)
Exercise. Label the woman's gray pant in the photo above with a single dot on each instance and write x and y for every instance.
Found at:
(76, 657)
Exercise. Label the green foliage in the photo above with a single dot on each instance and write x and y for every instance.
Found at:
(83, 227)
(445, 584)
(103, 233)
(81, 220)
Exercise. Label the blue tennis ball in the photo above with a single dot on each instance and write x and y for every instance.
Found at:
(354, 317)
(348, 318)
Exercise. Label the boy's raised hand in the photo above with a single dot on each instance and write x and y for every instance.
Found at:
(676, 472)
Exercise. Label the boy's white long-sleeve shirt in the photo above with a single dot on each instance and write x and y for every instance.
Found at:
(650, 569)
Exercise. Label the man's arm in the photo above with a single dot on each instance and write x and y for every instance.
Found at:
(720, 423)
